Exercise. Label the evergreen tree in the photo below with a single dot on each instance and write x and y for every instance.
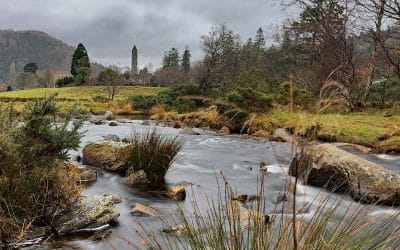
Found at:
(174, 58)
(260, 39)
(31, 68)
(80, 66)
(186, 60)
(166, 60)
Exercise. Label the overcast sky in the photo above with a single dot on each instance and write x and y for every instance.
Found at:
(109, 28)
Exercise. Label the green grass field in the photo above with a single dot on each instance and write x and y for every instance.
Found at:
(81, 96)
(78, 93)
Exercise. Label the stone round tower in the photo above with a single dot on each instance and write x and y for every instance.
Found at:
(134, 69)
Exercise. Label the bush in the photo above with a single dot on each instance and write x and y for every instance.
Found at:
(249, 99)
(100, 99)
(169, 98)
(33, 181)
(64, 81)
(142, 102)
(153, 153)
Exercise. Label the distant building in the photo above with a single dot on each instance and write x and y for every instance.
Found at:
(134, 69)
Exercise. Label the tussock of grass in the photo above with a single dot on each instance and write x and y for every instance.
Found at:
(228, 224)
(153, 153)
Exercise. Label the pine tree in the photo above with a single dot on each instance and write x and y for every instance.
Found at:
(80, 66)
(260, 39)
(166, 61)
(186, 61)
(174, 58)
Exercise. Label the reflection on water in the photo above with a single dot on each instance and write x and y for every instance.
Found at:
(201, 160)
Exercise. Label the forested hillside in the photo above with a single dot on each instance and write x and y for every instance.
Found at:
(17, 48)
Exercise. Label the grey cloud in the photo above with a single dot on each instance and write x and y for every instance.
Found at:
(110, 28)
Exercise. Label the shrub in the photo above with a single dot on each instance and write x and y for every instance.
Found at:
(33, 180)
(64, 81)
(249, 99)
(153, 153)
(168, 98)
(100, 99)
(143, 102)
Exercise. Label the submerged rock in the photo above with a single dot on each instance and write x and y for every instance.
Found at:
(279, 197)
(97, 121)
(115, 198)
(176, 230)
(101, 235)
(113, 124)
(87, 174)
(92, 214)
(328, 166)
(111, 137)
(144, 210)
(109, 155)
(188, 131)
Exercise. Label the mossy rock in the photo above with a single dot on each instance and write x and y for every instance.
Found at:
(328, 166)
(108, 155)
(95, 212)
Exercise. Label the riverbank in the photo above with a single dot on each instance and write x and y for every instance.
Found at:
(379, 132)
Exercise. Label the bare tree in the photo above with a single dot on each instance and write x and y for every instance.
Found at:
(113, 80)
(377, 8)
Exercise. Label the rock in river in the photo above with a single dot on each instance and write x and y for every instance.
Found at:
(92, 214)
(328, 166)
(113, 124)
(177, 193)
(144, 210)
(112, 137)
(108, 115)
(109, 155)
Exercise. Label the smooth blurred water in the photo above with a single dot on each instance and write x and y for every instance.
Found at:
(202, 160)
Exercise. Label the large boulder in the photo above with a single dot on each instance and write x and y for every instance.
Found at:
(92, 214)
(108, 155)
(328, 166)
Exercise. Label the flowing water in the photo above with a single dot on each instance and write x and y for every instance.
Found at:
(200, 162)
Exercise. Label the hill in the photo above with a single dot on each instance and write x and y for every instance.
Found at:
(17, 48)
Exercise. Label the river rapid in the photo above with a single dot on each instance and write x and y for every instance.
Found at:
(201, 161)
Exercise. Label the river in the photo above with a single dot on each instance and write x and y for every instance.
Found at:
(200, 162)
